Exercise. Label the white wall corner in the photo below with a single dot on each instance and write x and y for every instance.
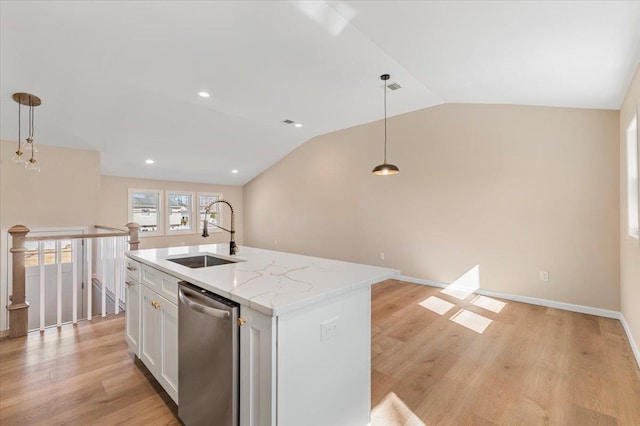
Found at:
(632, 342)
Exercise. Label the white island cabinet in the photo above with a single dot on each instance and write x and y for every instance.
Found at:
(305, 346)
(151, 323)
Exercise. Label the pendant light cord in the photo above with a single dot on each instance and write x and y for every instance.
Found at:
(384, 86)
(31, 126)
(31, 121)
(385, 168)
(19, 126)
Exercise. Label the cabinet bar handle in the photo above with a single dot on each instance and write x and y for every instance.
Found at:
(198, 307)
(131, 268)
(129, 283)
(155, 304)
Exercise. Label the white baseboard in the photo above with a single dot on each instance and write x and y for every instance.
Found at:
(525, 299)
(632, 342)
(421, 281)
(544, 302)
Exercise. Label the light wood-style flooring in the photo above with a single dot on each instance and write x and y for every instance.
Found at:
(79, 375)
(529, 366)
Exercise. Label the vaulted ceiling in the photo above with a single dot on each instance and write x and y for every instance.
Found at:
(123, 77)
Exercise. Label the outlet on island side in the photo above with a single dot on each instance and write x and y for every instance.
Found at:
(329, 328)
(381, 255)
(544, 276)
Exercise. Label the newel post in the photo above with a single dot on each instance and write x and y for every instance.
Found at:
(18, 306)
(133, 235)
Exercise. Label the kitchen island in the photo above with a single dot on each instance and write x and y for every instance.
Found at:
(304, 334)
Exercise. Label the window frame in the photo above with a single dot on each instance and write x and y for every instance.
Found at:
(159, 212)
(632, 146)
(168, 230)
(219, 212)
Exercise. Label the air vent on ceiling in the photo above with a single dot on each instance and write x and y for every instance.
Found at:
(394, 86)
(288, 121)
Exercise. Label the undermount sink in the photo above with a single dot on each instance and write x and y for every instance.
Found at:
(201, 261)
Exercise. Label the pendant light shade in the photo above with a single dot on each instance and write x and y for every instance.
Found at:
(385, 168)
(25, 155)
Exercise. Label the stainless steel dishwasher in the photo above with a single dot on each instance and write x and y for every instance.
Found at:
(208, 358)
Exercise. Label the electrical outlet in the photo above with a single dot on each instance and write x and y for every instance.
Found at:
(381, 255)
(329, 328)
(275, 242)
(544, 276)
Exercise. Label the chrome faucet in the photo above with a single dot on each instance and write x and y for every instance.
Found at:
(233, 248)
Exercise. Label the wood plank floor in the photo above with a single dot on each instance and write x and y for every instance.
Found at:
(529, 366)
(82, 375)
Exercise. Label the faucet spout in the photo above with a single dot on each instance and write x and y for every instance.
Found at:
(233, 248)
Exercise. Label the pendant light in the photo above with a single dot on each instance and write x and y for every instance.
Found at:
(26, 151)
(385, 168)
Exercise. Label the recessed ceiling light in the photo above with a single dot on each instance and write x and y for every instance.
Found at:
(203, 94)
(234, 171)
(298, 125)
(149, 161)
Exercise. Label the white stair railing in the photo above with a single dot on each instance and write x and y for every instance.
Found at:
(72, 284)
(110, 271)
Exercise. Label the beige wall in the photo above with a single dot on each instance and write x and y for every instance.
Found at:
(69, 191)
(513, 189)
(114, 209)
(66, 192)
(629, 247)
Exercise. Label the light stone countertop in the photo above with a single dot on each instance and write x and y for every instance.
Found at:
(268, 281)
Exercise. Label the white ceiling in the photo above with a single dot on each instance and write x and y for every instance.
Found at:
(122, 77)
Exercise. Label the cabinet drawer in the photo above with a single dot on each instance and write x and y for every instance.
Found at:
(161, 283)
(133, 270)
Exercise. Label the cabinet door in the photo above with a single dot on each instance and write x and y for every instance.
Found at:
(168, 329)
(132, 315)
(150, 329)
(257, 369)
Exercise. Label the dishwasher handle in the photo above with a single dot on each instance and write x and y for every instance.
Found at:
(203, 309)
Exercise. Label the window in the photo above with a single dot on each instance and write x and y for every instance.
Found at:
(632, 176)
(180, 212)
(168, 212)
(145, 208)
(215, 214)
(52, 254)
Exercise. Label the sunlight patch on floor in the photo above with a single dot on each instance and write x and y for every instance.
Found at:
(471, 320)
(489, 304)
(437, 305)
(465, 285)
(392, 411)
